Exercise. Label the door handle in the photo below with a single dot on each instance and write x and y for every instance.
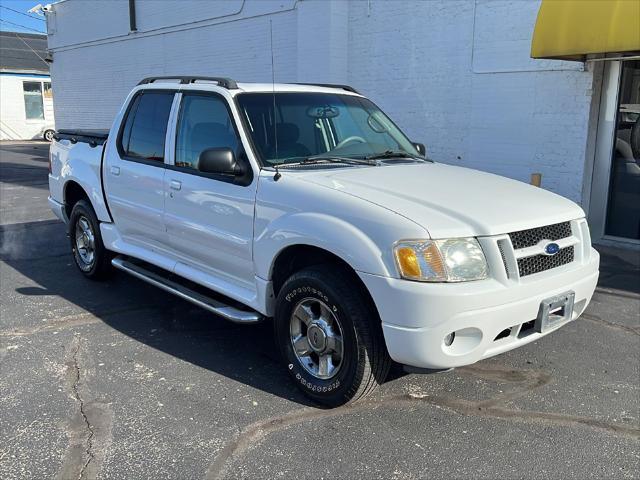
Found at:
(176, 185)
(115, 170)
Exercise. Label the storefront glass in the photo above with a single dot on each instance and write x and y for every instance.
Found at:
(623, 207)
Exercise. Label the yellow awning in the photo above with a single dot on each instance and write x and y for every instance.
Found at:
(571, 29)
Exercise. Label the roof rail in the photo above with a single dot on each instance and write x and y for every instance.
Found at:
(331, 85)
(227, 83)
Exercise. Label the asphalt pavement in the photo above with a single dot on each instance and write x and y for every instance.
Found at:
(120, 380)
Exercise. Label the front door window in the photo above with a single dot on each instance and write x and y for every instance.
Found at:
(204, 122)
(623, 208)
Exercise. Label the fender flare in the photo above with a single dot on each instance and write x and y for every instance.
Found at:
(93, 194)
(87, 174)
(347, 242)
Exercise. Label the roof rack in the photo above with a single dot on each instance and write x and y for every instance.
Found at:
(331, 85)
(227, 83)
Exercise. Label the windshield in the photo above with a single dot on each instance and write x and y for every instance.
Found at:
(319, 124)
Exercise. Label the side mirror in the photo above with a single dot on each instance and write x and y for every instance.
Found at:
(422, 150)
(219, 160)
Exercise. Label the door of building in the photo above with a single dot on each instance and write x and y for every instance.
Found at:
(623, 205)
(615, 194)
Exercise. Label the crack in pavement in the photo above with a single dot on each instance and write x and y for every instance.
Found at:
(89, 427)
(606, 323)
(492, 407)
(89, 430)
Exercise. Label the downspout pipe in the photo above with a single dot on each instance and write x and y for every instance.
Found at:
(132, 16)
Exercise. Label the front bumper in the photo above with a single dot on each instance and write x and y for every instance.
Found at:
(416, 317)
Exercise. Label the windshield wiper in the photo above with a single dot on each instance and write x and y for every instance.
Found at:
(392, 154)
(316, 159)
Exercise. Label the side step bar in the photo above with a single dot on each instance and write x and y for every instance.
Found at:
(215, 306)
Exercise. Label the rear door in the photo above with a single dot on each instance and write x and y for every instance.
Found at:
(209, 218)
(134, 171)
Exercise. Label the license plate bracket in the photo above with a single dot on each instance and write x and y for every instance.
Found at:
(555, 311)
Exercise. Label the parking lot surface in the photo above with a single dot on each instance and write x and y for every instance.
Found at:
(120, 380)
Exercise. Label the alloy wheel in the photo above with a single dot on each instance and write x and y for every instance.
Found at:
(316, 338)
(85, 242)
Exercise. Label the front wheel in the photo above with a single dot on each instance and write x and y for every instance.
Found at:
(330, 337)
(90, 256)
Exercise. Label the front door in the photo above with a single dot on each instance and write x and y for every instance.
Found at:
(209, 218)
(134, 171)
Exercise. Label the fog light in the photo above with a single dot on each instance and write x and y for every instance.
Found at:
(448, 340)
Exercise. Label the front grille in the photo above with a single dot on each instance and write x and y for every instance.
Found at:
(540, 263)
(531, 237)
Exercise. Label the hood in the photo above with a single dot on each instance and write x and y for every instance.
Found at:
(451, 201)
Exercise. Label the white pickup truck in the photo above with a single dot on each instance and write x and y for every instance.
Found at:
(307, 205)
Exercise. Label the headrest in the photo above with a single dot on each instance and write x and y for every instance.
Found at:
(287, 133)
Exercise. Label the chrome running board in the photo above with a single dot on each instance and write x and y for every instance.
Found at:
(215, 306)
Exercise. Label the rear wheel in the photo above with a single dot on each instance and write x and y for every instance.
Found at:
(90, 256)
(330, 337)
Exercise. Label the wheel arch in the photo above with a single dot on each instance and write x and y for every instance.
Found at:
(75, 188)
(294, 258)
(72, 193)
(338, 237)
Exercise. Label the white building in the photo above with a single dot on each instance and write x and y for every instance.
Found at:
(26, 98)
(454, 74)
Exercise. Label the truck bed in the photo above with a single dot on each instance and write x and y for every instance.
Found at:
(76, 158)
(92, 137)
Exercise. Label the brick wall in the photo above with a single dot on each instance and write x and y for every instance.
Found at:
(92, 78)
(455, 75)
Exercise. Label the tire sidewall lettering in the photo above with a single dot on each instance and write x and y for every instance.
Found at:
(291, 296)
(309, 384)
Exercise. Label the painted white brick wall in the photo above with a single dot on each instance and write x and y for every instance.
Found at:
(92, 80)
(455, 74)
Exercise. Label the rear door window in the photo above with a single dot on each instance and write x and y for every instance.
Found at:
(145, 128)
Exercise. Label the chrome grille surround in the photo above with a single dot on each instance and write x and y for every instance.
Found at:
(503, 245)
(508, 265)
(540, 263)
(532, 236)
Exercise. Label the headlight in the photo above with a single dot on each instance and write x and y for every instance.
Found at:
(453, 260)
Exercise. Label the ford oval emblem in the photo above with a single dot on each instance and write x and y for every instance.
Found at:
(551, 248)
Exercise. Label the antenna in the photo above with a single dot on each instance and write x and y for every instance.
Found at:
(277, 176)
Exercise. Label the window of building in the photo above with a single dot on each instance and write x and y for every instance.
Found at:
(33, 106)
(204, 123)
(145, 128)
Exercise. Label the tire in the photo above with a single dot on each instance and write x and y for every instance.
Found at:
(321, 304)
(94, 261)
(48, 135)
